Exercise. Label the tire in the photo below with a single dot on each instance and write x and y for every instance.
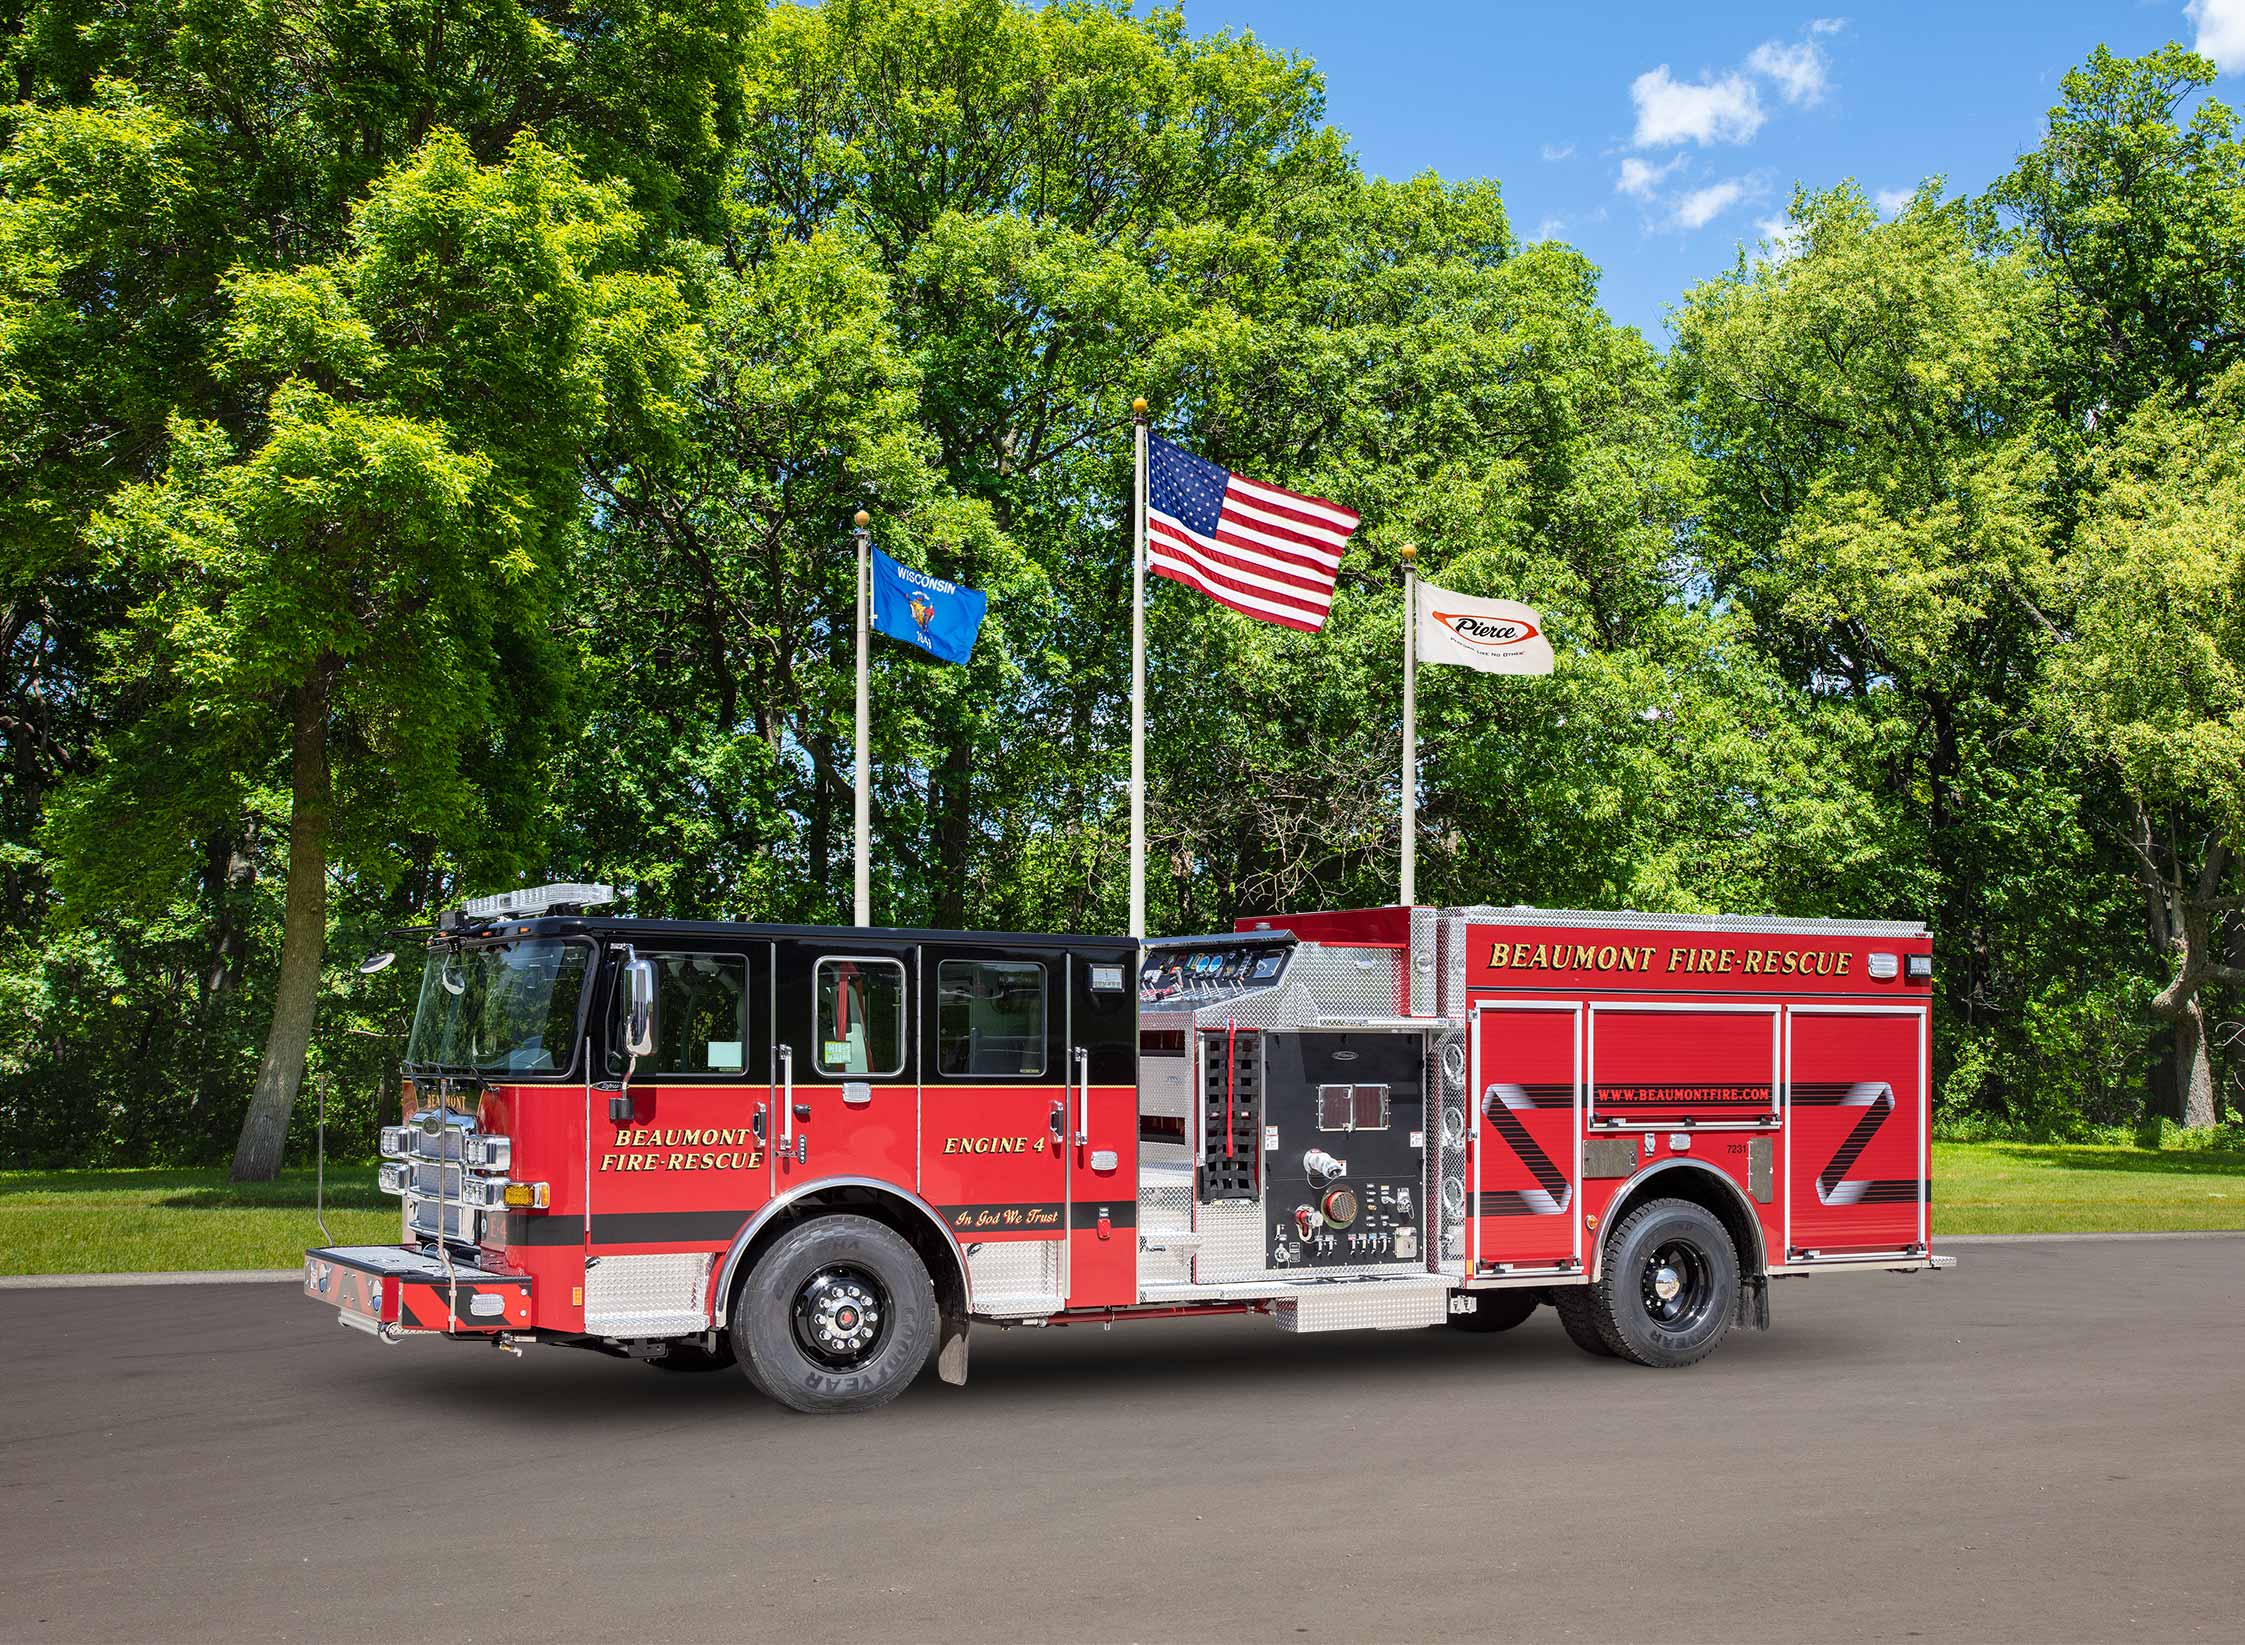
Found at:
(1572, 1304)
(1497, 1311)
(839, 1315)
(1668, 1289)
(686, 1358)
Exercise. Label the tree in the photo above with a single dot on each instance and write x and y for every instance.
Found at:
(363, 577)
(2152, 679)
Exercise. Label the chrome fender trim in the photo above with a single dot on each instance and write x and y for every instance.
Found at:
(747, 1236)
(1749, 1262)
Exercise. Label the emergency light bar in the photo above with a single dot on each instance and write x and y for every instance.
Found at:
(538, 899)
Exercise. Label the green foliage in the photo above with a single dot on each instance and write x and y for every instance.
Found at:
(505, 376)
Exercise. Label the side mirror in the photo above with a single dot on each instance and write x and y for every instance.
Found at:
(376, 962)
(639, 997)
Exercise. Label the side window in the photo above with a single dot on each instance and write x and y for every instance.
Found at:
(990, 1018)
(701, 1009)
(859, 1010)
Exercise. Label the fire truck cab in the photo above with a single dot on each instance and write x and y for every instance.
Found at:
(822, 1154)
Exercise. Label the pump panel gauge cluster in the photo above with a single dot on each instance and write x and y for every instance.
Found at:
(1185, 975)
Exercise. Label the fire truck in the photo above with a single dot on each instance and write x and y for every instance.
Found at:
(825, 1154)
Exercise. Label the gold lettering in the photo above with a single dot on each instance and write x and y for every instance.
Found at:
(1753, 965)
(1675, 958)
(1519, 954)
(1792, 961)
(1497, 956)
(1841, 969)
(1605, 959)
(1543, 957)
(1730, 957)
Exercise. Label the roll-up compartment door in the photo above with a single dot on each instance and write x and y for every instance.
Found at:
(1856, 1129)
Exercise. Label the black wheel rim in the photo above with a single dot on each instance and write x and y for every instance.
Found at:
(841, 1316)
(1678, 1285)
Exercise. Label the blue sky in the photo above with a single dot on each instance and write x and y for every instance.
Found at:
(1656, 138)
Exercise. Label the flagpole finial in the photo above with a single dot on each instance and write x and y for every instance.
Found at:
(1138, 409)
(861, 519)
(1408, 552)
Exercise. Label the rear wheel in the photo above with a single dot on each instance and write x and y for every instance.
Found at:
(1668, 1287)
(1572, 1304)
(839, 1315)
(1497, 1310)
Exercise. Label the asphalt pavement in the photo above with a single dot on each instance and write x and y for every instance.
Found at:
(2041, 1444)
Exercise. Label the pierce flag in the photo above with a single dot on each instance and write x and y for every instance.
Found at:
(1494, 636)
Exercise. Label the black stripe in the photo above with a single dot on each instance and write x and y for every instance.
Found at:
(629, 1228)
(1120, 1213)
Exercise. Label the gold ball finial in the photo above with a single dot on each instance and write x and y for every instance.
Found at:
(862, 519)
(1409, 552)
(1138, 408)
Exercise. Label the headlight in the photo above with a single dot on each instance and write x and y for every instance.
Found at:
(394, 1179)
(397, 1142)
(488, 1153)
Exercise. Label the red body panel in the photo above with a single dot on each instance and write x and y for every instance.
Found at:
(1694, 1046)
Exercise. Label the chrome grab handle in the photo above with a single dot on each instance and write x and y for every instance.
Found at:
(1083, 1096)
(787, 1097)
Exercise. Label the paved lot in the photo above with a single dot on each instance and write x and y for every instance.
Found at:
(2041, 1444)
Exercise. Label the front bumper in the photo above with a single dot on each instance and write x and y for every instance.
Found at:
(391, 1290)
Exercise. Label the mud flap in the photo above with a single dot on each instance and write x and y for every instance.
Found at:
(951, 1350)
(1753, 1302)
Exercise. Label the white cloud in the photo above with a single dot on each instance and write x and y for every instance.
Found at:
(1797, 69)
(1826, 25)
(1890, 201)
(1641, 177)
(2221, 32)
(1784, 237)
(1552, 228)
(1698, 207)
(1669, 110)
(1559, 151)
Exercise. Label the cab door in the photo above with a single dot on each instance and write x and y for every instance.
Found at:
(995, 1116)
(846, 1060)
(676, 1161)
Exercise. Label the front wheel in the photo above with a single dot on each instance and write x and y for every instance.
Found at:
(1669, 1286)
(838, 1316)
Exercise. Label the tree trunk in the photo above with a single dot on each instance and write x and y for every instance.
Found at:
(257, 1158)
(2194, 1068)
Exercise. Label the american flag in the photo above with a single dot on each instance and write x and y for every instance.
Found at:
(1257, 548)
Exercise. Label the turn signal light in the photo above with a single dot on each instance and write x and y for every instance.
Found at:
(525, 1196)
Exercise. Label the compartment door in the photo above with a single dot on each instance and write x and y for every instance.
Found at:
(1524, 1163)
(1855, 1133)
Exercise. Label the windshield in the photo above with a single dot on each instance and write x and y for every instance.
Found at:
(509, 1009)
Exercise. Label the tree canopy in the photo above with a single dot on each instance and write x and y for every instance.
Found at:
(428, 436)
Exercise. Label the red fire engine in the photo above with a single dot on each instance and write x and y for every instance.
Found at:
(821, 1153)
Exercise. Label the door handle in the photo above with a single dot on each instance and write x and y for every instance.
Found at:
(1083, 1096)
(757, 1123)
(787, 1097)
(1059, 1120)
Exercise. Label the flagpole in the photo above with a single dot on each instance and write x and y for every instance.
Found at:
(1138, 675)
(1410, 727)
(863, 907)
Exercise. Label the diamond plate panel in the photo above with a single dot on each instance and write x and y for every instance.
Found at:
(1684, 922)
(1377, 1305)
(1015, 1278)
(664, 1295)
(1426, 923)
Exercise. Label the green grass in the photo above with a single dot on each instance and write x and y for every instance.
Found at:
(105, 1222)
(95, 1222)
(2051, 1188)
